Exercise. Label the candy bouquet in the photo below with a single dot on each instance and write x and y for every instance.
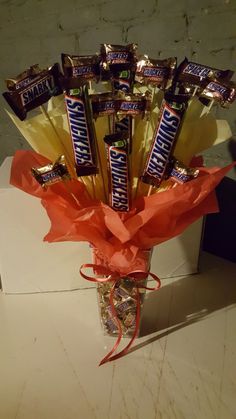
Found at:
(114, 162)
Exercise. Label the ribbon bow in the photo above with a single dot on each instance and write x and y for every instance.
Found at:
(110, 276)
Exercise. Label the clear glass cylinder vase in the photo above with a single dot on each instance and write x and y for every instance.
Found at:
(124, 296)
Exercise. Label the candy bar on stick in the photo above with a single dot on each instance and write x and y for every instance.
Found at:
(168, 126)
(82, 132)
(190, 75)
(223, 92)
(118, 171)
(118, 57)
(132, 104)
(180, 173)
(78, 70)
(102, 104)
(32, 88)
(51, 173)
(155, 72)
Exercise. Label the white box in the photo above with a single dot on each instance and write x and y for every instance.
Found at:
(28, 265)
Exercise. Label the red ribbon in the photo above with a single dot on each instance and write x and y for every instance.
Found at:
(114, 277)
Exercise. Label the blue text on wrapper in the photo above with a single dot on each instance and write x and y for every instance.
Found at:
(216, 87)
(79, 131)
(82, 70)
(154, 72)
(51, 176)
(117, 56)
(162, 144)
(118, 161)
(199, 70)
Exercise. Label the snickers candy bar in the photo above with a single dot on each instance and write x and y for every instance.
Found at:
(51, 173)
(132, 104)
(180, 173)
(168, 126)
(191, 73)
(102, 104)
(155, 72)
(81, 131)
(78, 70)
(118, 57)
(219, 91)
(118, 171)
(31, 89)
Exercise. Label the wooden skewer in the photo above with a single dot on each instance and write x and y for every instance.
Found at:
(149, 190)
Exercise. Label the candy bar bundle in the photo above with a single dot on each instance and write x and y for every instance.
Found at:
(114, 162)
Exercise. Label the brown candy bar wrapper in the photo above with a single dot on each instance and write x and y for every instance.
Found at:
(155, 72)
(132, 104)
(118, 171)
(32, 88)
(219, 91)
(165, 135)
(81, 131)
(102, 104)
(78, 70)
(118, 57)
(190, 73)
(51, 173)
(180, 173)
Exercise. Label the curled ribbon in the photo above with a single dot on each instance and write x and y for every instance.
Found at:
(109, 276)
